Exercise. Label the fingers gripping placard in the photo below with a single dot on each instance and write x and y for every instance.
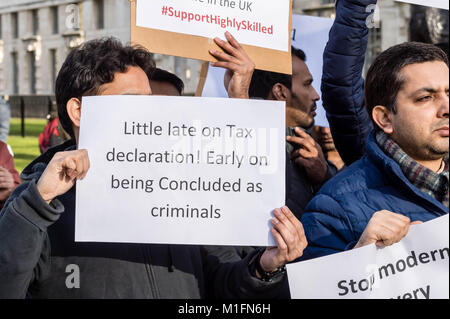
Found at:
(180, 170)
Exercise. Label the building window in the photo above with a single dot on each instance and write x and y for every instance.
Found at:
(32, 65)
(35, 21)
(15, 72)
(100, 10)
(15, 25)
(55, 20)
(53, 68)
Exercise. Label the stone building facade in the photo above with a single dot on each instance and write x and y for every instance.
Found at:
(36, 36)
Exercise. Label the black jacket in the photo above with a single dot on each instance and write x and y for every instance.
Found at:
(38, 255)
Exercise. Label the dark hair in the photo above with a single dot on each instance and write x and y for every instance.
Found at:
(160, 75)
(263, 81)
(444, 47)
(91, 65)
(298, 53)
(384, 81)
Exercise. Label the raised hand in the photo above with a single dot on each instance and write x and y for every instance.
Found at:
(238, 64)
(62, 172)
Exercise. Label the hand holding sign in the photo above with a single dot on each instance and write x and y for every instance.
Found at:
(385, 228)
(414, 268)
(62, 172)
(291, 241)
(185, 170)
(238, 64)
(6, 183)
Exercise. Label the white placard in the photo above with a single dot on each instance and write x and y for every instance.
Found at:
(442, 4)
(309, 34)
(261, 23)
(214, 86)
(180, 170)
(415, 268)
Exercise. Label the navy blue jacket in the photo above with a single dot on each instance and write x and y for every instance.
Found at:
(336, 217)
(342, 82)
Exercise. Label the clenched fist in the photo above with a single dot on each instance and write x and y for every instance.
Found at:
(62, 172)
(385, 228)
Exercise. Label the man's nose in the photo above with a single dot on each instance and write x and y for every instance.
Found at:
(316, 96)
(443, 106)
(325, 130)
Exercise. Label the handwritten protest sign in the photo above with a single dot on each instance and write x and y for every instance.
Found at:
(180, 170)
(442, 4)
(186, 28)
(415, 268)
(309, 34)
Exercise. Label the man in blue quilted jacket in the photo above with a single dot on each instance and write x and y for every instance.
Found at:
(403, 176)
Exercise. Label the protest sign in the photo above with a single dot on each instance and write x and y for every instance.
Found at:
(442, 4)
(309, 34)
(180, 170)
(186, 28)
(415, 268)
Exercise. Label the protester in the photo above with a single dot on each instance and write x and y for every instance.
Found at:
(163, 82)
(306, 166)
(403, 176)
(38, 219)
(5, 114)
(9, 177)
(322, 135)
(50, 137)
(342, 81)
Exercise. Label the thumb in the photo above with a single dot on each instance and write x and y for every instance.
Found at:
(417, 222)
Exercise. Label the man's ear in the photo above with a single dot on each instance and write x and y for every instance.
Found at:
(280, 92)
(382, 116)
(74, 111)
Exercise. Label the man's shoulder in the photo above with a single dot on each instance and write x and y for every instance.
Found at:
(359, 176)
(349, 195)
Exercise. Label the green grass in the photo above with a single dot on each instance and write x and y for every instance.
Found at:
(25, 148)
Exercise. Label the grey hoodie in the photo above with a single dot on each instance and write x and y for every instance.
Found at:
(40, 259)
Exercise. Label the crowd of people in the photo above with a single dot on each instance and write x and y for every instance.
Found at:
(380, 169)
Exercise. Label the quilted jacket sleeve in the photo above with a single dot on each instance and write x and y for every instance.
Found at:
(342, 82)
(327, 228)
